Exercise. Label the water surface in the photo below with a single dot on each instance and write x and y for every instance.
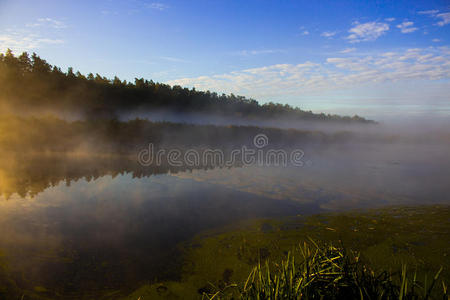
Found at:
(82, 225)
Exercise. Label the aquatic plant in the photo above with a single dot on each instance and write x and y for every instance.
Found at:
(328, 272)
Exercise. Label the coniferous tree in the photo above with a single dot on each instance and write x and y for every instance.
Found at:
(33, 81)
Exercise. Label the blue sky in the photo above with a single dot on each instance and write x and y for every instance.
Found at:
(377, 58)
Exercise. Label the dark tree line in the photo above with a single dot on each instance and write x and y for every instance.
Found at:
(31, 82)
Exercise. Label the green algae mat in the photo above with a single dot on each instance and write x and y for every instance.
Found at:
(386, 239)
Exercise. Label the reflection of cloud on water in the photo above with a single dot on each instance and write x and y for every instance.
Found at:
(24, 220)
(347, 177)
(256, 180)
(131, 224)
(342, 176)
(280, 183)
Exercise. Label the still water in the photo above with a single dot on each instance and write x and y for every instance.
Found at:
(73, 225)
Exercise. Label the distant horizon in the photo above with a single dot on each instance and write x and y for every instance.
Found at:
(380, 61)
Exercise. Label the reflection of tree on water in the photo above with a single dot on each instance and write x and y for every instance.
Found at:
(28, 175)
(112, 234)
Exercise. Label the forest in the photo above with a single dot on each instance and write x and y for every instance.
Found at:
(30, 83)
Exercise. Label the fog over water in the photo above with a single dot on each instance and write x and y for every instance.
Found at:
(70, 216)
(78, 217)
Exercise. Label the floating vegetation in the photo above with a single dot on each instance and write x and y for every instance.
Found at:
(328, 272)
(385, 242)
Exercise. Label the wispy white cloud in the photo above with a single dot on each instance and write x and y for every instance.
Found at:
(389, 19)
(328, 34)
(445, 19)
(407, 27)
(48, 22)
(348, 50)
(157, 5)
(369, 31)
(138, 6)
(43, 32)
(19, 42)
(173, 59)
(431, 12)
(108, 12)
(257, 52)
(305, 32)
(435, 40)
(282, 80)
